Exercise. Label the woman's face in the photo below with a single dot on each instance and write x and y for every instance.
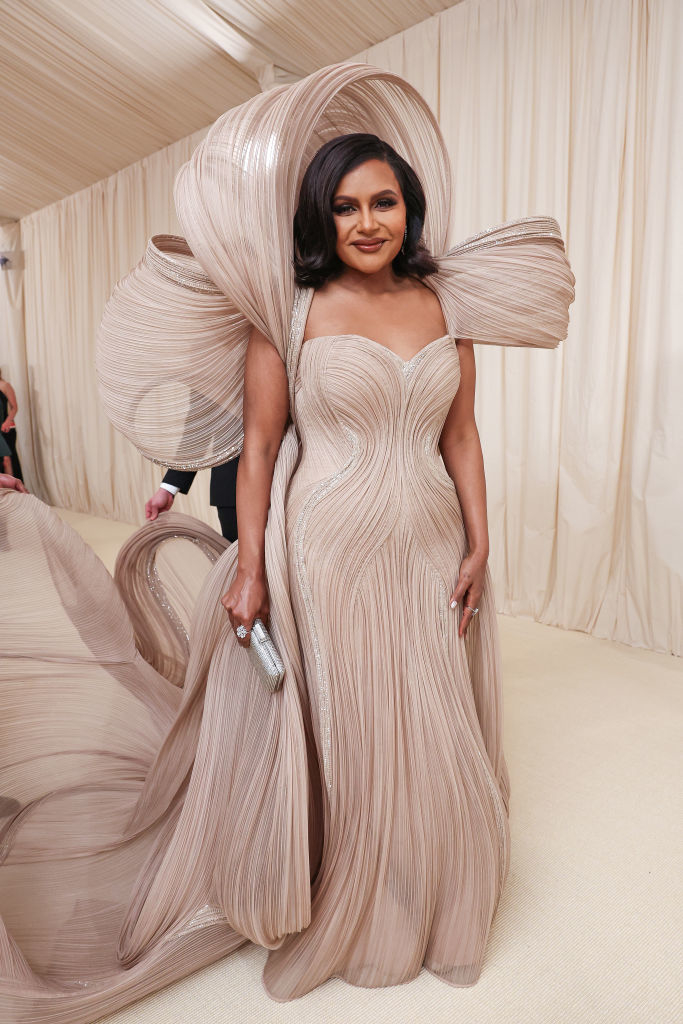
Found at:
(370, 217)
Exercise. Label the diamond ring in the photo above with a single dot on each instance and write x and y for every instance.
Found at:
(242, 632)
(473, 610)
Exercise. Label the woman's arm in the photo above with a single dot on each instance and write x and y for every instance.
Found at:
(265, 412)
(11, 405)
(461, 451)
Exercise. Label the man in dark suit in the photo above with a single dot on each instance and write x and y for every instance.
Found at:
(222, 494)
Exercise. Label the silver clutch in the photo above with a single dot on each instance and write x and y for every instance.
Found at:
(264, 655)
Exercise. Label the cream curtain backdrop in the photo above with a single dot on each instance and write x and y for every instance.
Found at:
(561, 107)
(75, 251)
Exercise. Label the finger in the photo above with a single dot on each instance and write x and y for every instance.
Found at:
(243, 641)
(470, 608)
(464, 622)
(460, 591)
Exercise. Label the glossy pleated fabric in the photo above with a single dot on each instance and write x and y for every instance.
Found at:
(170, 347)
(170, 360)
(82, 716)
(356, 822)
(414, 783)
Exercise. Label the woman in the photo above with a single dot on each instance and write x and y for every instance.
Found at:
(8, 412)
(354, 822)
(379, 554)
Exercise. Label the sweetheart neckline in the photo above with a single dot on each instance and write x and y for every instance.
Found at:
(378, 344)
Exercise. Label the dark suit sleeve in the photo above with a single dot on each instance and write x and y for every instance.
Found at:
(180, 478)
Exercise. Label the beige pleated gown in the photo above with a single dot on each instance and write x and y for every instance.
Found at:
(415, 834)
(158, 806)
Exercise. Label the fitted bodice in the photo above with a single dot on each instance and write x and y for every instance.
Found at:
(370, 504)
(357, 398)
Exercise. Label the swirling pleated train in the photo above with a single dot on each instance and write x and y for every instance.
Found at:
(155, 828)
(158, 806)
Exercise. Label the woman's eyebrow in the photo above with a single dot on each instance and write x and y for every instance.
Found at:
(353, 199)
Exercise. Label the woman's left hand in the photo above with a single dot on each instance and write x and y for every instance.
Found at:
(470, 587)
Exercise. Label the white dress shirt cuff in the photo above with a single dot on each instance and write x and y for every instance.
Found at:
(171, 488)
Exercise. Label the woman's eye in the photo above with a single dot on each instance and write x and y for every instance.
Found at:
(383, 204)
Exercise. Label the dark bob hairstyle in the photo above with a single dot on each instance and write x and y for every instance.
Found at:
(315, 232)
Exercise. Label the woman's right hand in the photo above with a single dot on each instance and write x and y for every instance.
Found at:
(246, 600)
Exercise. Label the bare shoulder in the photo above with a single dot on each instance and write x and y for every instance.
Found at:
(411, 311)
(326, 307)
(418, 308)
(426, 296)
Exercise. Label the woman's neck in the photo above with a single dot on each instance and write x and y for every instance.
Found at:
(379, 283)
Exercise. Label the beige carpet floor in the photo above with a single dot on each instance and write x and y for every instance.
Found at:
(590, 925)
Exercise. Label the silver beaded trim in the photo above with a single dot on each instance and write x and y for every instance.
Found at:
(410, 365)
(300, 307)
(158, 590)
(159, 257)
(318, 494)
(501, 234)
(200, 463)
(429, 443)
(444, 605)
(159, 593)
(205, 916)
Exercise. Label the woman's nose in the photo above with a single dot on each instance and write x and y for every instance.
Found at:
(368, 221)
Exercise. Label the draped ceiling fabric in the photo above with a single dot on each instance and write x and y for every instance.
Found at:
(563, 108)
(88, 88)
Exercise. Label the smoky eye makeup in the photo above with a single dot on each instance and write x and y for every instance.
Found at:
(384, 203)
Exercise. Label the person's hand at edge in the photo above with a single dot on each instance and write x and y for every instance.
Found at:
(161, 502)
(11, 483)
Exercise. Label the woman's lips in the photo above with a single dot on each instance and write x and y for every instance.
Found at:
(369, 246)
